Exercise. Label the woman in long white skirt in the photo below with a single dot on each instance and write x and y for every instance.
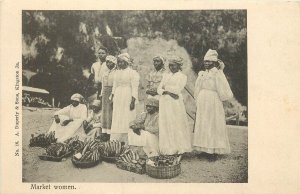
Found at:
(125, 97)
(69, 120)
(174, 133)
(211, 89)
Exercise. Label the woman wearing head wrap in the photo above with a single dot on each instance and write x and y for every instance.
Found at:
(68, 121)
(124, 97)
(211, 89)
(92, 125)
(154, 78)
(174, 133)
(107, 85)
(147, 126)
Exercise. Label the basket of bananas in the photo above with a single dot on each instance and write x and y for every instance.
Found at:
(112, 150)
(75, 144)
(164, 166)
(89, 157)
(130, 161)
(56, 152)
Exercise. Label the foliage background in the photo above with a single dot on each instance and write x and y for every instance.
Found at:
(58, 46)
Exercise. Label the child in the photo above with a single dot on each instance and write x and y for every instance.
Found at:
(92, 126)
(146, 125)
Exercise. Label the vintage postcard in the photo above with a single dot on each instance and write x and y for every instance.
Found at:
(149, 97)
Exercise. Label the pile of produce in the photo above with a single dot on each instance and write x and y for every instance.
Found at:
(90, 152)
(164, 160)
(42, 140)
(58, 150)
(131, 161)
(112, 149)
(75, 144)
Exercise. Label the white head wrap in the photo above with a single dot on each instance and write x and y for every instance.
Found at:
(160, 58)
(77, 97)
(175, 59)
(125, 57)
(111, 59)
(211, 55)
(96, 103)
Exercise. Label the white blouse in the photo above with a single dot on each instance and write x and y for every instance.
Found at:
(126, 77)
(172, 82)
(213, 80)
(78, 112)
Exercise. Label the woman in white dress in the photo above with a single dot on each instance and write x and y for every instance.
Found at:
(174, 133)
(211, 89)
(68, 121)
(124, 97)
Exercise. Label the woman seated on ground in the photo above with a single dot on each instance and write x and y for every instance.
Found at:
(92, 125)
(68, 121)
(146, 125)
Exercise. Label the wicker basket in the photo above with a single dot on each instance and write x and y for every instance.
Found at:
(53, 158)
(109, 159)
(84, 164)
(163, 172)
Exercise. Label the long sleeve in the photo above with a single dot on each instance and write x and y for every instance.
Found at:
(114, 82)
(160, 89)
(180, 84)
(90, 117)
(135, 82)
(65, 111)
(92, 70)
(83, 114)
(223, 87)
(197, 87)
(103, 69)
(102, 85)
(139, 121)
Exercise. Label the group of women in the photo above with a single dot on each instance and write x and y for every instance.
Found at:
(118, 97)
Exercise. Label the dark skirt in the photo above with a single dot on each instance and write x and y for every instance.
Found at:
(106, 117)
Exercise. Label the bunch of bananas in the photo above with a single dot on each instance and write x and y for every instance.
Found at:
(42, 140)
(132, 161)
(112, 148)
(90, 152)
(58, 149)
(75, 144)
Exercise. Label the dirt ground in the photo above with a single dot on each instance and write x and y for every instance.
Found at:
(227, 169)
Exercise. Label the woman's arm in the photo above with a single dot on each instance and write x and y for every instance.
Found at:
(180, 84)
(197, 86)
(223, 87)
(135, 82)
(65, 111)
(160, 88)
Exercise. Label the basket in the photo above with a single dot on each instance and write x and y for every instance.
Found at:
(131, 167)
(163, 172)
(84, 164)
(53, 158)
(109, 159)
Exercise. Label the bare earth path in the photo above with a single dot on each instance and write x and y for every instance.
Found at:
(231, 168)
